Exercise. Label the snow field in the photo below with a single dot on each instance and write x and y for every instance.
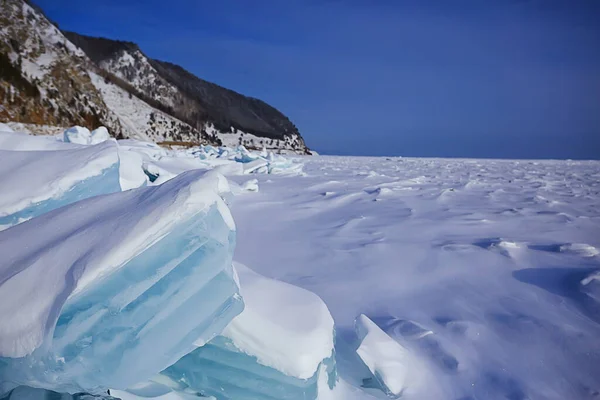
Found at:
(483, 270)
(410, 278)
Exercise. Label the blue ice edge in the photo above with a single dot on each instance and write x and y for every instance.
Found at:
(105, 337)
(106, 182)
(220, 370)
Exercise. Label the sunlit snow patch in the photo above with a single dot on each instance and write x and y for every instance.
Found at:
(113, 289)
(41, 181)
(273, 350)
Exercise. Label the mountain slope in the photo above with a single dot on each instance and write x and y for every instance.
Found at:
(46, 79)
(208, 107)
(43, 76)
(59, 78)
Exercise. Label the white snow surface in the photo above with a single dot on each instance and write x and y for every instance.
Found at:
(42, 264)
(487, 255)
(37, 176)
(26, 142)
(484, 271)
(285, 327)
(5, 128)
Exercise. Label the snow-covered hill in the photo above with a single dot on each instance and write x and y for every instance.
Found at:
(134, 68)
(141, 121)
(205, 106)
(62, 79)
(45, 79)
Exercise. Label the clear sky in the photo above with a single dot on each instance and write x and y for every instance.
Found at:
(457, 78)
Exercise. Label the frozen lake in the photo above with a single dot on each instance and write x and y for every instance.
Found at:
(486, 270)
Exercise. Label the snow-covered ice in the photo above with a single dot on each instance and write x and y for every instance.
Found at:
(41, 181)
(113, 289)
(77, 135)
(482, 269)
(273, 349)
(81, 135)
(294, 340)
(423, 278)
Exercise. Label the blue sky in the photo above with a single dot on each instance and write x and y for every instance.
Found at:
(456, 78)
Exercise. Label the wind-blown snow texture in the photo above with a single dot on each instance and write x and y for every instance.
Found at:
(471, 279)
(480, 268)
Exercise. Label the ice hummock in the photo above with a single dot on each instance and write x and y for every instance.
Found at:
(273, 350)
(77, 135)
(389, 362)
(252, 162)
(81, 135)
(41, 181)
(113, 289)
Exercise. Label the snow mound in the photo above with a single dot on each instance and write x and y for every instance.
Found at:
(273, 349)
(42, 181)
(581, 249)
(591, 285)
(81, 135)
(99, 135)
(113, 289)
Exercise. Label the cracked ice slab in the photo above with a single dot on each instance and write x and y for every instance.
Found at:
(111, 290)
(273, 350)
(41, 181)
